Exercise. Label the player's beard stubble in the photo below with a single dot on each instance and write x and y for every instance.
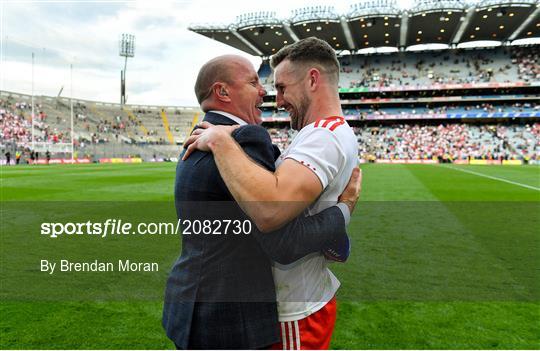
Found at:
(299, 113)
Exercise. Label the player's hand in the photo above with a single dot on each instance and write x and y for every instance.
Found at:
(351, 194)
(206, 135)
(199, 128)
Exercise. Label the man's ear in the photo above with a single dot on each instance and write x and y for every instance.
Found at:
(314, 76)
(220, 91)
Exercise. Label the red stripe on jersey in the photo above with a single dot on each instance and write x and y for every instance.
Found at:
(336, 124)
(328, 122)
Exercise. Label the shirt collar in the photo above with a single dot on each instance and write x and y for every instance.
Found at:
(238, 120)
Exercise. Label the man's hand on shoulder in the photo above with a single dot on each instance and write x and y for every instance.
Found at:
(207, 137)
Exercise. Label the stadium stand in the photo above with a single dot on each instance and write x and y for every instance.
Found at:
(446, 142)
(408, 69)
(447, 105)
(101, 130)
(15, 128)
(500, 65)
(450, 142)
(390, 129)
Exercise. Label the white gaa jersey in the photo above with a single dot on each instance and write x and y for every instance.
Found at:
(329, 148)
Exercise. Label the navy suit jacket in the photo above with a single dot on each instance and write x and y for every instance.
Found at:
(220, 293)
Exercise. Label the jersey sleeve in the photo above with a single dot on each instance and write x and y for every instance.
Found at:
(321, 153)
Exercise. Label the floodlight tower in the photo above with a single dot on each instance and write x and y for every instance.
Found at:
(127, 49)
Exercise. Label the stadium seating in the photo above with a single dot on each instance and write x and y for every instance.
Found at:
(15, 128)
(152, 132)
(101, 130)
(450, 141)
(501, 65)
(442, 67)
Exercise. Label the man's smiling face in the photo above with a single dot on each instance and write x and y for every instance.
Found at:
(291, 93)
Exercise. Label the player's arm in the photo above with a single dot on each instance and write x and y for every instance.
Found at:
(305, 235)
(269, 199)
(324, 232)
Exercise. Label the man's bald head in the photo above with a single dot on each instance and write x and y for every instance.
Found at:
(219, 69)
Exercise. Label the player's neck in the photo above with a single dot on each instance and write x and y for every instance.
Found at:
(323, 109)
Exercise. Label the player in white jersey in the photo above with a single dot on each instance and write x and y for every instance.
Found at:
(311, 174)
(329, 148)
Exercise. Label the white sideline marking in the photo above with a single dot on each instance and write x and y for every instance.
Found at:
(494, 178)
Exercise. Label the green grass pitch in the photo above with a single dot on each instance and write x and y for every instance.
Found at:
(443, 257)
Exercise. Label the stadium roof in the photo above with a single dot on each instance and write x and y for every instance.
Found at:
(379, 23)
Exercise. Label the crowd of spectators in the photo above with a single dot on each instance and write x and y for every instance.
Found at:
(452, 141)
(15, 119)
(397, 141)
(15, 129)
(528, 64)
(501, 65)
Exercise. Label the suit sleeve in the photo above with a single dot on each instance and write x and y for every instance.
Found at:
(303, 235)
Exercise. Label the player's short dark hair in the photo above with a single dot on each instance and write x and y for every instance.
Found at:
(310, 52)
